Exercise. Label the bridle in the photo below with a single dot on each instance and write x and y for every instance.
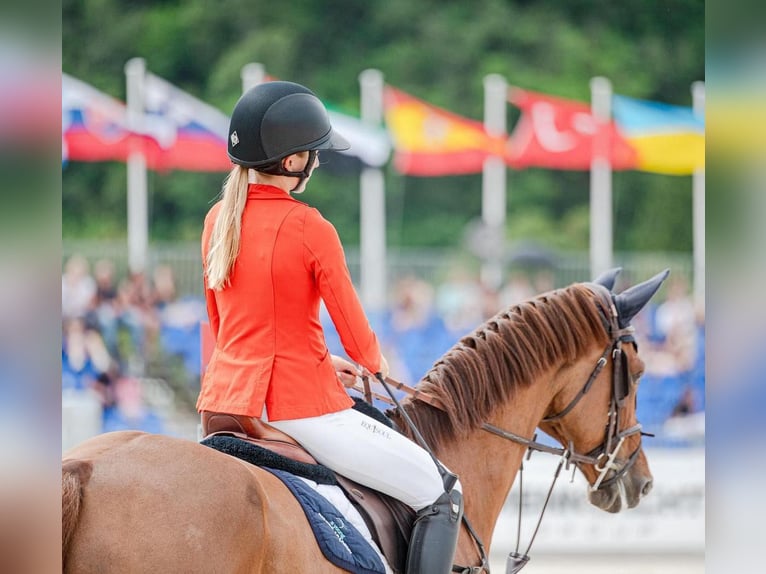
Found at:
(603, 457)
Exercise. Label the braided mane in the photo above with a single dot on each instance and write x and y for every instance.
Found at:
(510, 350)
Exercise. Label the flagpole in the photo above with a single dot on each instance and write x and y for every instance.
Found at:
(372, 203)
(698, 205)
(138, 214)
(252, 74)
(601, 179)
(493, 185)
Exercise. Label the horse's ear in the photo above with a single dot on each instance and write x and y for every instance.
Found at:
(607, 278)
(632, 300)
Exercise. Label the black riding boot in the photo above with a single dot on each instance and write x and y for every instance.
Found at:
(434, 535)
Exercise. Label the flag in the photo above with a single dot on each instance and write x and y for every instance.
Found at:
(667, 139)
(178, 131)
(94, 125)
(430, 141)
(190, 134)
(558, 133)
(368, 143)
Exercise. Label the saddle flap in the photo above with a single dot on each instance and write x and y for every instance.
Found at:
(390, 521)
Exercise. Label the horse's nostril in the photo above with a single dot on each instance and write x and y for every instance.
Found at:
(647, 488)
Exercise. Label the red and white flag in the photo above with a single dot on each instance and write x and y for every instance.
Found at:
(94, 125)
(190, 134)
(557, 133)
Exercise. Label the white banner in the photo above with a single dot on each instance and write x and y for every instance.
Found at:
(670, 519)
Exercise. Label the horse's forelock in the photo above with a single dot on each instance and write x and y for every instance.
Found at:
(510, 350)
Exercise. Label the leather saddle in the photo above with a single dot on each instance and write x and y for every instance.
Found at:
(389, 520)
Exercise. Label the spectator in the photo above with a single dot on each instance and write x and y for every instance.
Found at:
(78, 288)
(138, 316)
(677, 313)
(106, 285)
(545, 280)
(490, 304)
(414, 328)
(178, 321)
(459, 302)
(686, 405)
(105, 308)
(686, 421)
(517, 289)
(164, 286)
(84, 357)
(676, 323)
(130, 411)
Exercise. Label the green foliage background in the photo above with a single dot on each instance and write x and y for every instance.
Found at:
(438, 51)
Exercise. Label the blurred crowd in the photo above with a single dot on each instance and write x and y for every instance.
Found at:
(116, 332)
(120, 331)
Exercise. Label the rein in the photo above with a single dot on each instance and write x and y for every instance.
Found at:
(603, 457)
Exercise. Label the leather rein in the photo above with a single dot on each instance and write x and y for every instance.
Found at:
(603, 457)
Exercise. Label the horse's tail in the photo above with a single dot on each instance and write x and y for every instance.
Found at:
(74, 476)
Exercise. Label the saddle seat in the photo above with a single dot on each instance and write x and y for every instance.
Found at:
(255, 431)
(389, 520)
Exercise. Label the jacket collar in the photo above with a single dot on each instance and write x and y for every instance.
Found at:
(261, 191)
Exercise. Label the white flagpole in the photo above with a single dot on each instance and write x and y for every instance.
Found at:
(493, 184)
(372, 202)
(138, 213)
(601, 180)
(698, 205)
(252, 74)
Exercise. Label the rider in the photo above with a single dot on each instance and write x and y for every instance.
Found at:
(268, 259)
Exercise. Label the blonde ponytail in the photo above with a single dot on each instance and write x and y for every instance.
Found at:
(225, 238)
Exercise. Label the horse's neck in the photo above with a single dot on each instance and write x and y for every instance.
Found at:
(487, 464)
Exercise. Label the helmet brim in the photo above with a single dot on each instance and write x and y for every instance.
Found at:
(333, 141)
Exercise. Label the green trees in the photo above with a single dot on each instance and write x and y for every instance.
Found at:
(438, 51)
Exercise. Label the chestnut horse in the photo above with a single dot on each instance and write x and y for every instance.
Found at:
(563, 361)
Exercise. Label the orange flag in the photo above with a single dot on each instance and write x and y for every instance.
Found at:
(430, 141)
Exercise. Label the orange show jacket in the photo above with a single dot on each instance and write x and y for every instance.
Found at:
(270, 347)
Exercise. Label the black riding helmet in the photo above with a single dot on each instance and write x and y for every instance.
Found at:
(276, 119)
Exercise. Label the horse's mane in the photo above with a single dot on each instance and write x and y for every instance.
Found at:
(510, 350)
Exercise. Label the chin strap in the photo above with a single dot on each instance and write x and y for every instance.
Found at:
(278, 169)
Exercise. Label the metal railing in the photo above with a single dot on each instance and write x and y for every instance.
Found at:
(431, 265)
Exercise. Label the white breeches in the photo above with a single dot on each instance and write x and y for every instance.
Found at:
(370, 453)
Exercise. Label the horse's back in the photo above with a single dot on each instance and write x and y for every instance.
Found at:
(152, 503)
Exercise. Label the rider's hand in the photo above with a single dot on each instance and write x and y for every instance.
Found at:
(383, 366)
(346, 371)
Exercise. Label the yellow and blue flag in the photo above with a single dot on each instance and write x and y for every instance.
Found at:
(668, 139)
